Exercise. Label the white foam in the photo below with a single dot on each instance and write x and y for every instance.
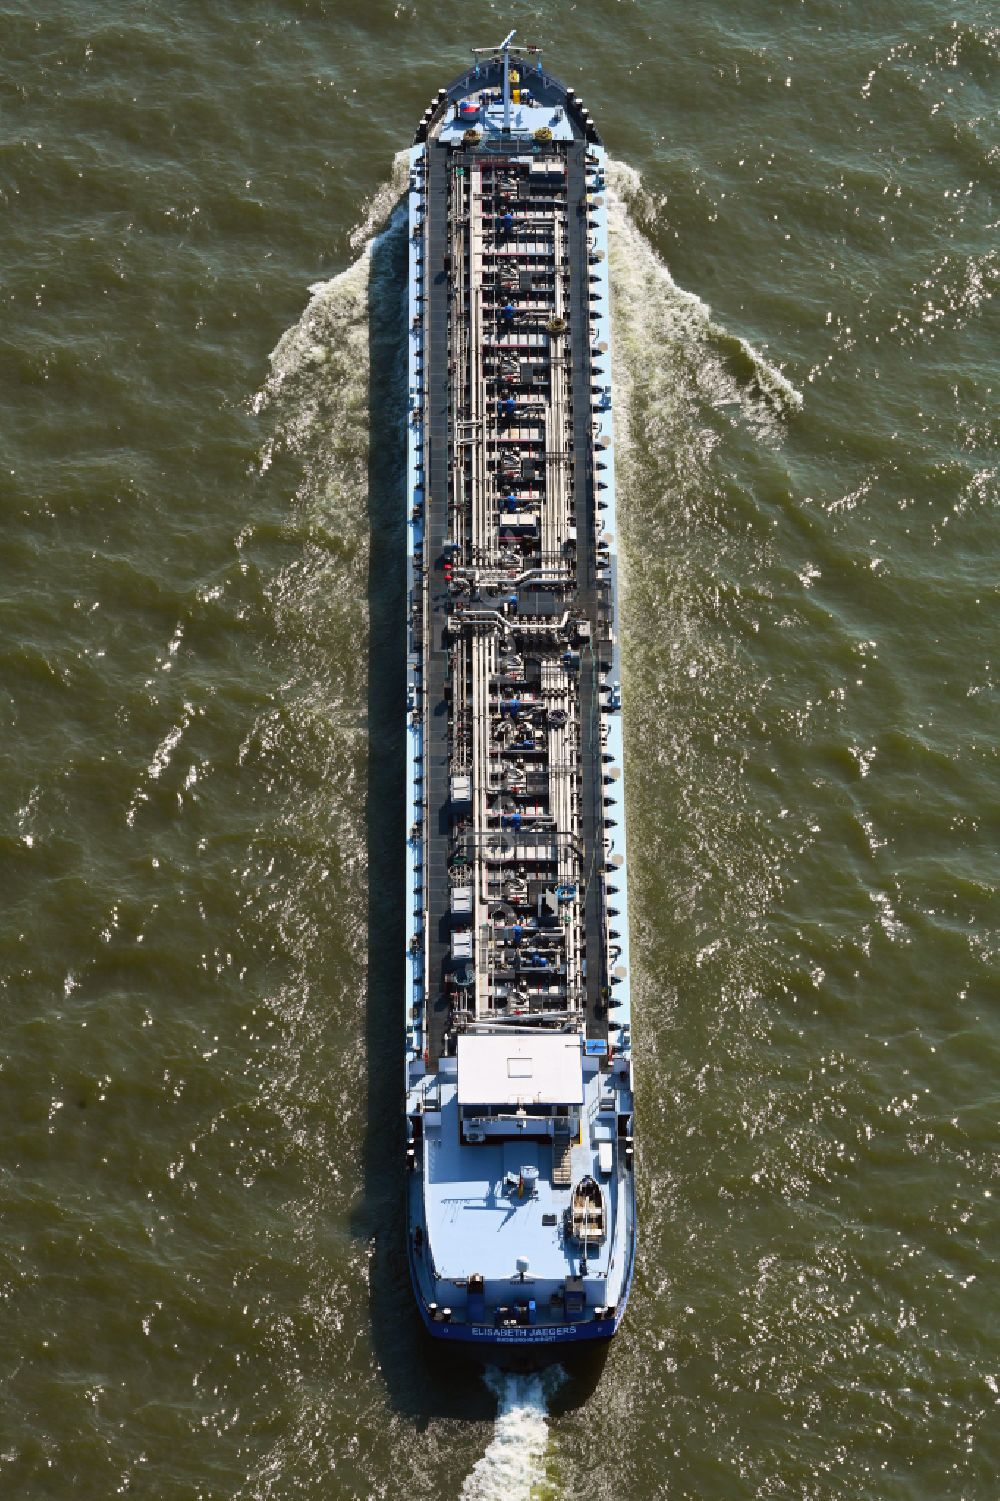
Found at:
(382, 202)
(167, 746)
(320, 367)
(333, 330)
(656, 319)
(161, 760)
(25, 814)
(514, 1466)
(335, 318)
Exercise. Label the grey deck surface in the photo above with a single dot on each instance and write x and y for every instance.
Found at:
(437, 657)
(587, 601)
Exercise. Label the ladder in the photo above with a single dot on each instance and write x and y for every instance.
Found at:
(562, 1149)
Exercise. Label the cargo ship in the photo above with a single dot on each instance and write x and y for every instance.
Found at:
(521, 1219)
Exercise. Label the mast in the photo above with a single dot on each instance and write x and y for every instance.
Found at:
(504, 47)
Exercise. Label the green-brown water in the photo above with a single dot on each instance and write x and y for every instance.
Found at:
(202, 1286)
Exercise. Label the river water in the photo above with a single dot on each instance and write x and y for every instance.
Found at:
(202, 1279)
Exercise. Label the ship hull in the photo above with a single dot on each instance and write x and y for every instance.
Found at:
(532, 1344)
(519, 1100)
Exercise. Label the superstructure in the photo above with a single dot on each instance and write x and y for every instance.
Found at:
(519, 1105)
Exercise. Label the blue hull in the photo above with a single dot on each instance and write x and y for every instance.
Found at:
(540, 1338)
(490, 1340)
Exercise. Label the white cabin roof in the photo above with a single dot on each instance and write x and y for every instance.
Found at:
(542, 1070)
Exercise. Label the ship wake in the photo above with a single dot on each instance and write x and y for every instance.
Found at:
(516, 1466)
(673, 366)
(659, 326)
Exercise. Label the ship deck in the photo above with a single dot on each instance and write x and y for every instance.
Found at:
(473, 1223)
(583, 592)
